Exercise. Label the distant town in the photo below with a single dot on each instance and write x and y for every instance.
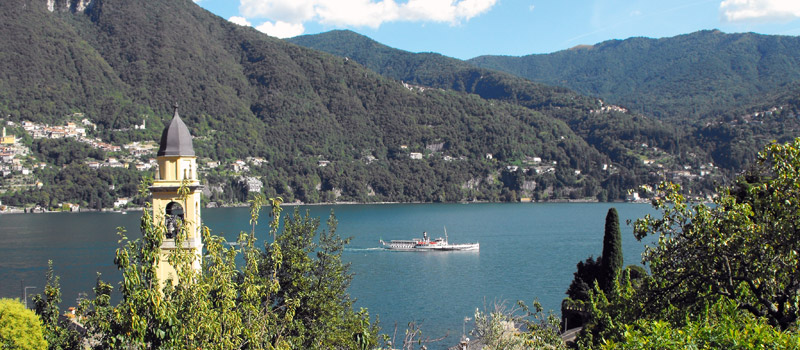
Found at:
(18, 164)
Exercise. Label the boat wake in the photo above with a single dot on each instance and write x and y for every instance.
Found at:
(364, 249)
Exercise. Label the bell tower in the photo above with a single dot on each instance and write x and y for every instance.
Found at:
(176, 211)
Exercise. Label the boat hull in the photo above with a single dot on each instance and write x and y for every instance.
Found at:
(426, 246)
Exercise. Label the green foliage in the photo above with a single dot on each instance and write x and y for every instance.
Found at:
(723, 275)
(610, 312)
(314, 278)
(724, 326)
(57, 332)
(77, 183)
(612, 260)
(292, 294)
(586, 274)
(744, 248)
(606, 269)
(19, 328)
(65, 151)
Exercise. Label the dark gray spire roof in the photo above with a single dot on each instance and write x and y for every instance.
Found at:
(176, 140)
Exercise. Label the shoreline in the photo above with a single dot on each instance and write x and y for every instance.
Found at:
(293, 204)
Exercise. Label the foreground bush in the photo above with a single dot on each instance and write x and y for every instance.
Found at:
(19, 328)
(290, 294)
(725, 327)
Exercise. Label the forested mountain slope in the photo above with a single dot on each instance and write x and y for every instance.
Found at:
(709, 132)
(682, 77)
(243, 93)
(612, 130)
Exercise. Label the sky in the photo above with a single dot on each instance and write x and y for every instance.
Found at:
(469, 28)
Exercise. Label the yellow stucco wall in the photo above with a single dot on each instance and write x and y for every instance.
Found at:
(174, 172)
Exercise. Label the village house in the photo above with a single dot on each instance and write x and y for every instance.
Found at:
(121, 202)
(114, 163)
(257, 161)
(239, 166)
(253, 184)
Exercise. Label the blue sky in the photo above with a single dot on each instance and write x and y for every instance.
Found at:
(470, 28)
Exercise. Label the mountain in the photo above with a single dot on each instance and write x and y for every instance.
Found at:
(685, 77)
(328, 128)
(711, 107)
(435, 70)
(612, 130)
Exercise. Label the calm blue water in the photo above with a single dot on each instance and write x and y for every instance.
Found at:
(527, 251)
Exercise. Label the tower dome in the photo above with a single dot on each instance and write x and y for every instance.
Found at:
(176, 140)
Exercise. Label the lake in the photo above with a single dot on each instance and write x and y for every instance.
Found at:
(528, 250)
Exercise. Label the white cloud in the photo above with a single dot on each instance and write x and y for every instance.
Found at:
(468, 9)
(755, 10)
(281, 29)
(364, 13)
(290, 11)
(530, 8)
(357, 13)
(240, 21)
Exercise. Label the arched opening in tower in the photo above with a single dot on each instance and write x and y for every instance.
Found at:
(174, 219)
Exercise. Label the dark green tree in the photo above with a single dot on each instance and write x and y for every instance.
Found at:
(313, 275)
(585, 276)
(612, 262)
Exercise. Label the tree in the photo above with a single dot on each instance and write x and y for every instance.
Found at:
(612, 261)
(19, 328)
(584, 278)
(242, 298)
(56, 331)
(313, 276)
(743, 248)
(605, 269)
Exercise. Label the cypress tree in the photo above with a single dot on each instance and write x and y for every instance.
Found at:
(612, 251)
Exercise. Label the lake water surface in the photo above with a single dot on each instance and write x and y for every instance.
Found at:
(527, 251)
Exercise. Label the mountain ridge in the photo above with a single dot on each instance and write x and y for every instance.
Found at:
(670, 77)
(244, 94)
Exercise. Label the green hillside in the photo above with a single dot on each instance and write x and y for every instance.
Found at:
(682, 77)
(614, 132)
(435, 70)
(708, 129)
(244, 94)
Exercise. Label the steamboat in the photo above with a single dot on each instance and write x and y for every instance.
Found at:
(425, 244)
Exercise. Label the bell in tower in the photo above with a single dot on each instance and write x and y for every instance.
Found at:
(176, 197)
